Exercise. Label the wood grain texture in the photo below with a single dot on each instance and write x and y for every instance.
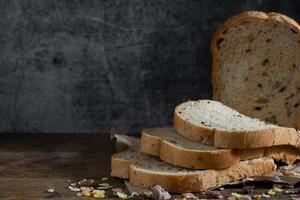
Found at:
(32, 163)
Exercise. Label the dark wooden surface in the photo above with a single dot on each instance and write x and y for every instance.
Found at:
(30, 164)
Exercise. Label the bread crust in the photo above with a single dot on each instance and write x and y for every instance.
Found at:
(286, 154)
(180, 156)
(215, 159)
(150, 144)
(256, 139)
(196, 181)
(120, 167)
(235, 139)
(246, 16)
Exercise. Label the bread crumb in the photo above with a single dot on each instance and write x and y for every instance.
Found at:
(122, 195)
(50, 190)
(87, 192)
(98, 193)
(271, 192)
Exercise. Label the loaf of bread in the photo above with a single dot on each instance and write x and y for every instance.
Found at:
(213, 123)
(256, 67)
(256, 76)
(146, 171)
(175, 149)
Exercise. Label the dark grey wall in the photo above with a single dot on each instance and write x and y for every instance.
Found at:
(90, 65)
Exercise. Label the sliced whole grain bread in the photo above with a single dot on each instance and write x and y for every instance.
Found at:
(175, 149)
(146, 171)
(213, 123)
(256, 67)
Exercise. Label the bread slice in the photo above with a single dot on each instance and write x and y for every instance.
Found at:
(175, 149)
(146, 171)
(212, 123)
(256, 67)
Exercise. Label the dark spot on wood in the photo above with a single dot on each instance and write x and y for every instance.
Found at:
(266, 61)
(294, 66)
(294, 31)
(219, 41)
(250, 68)
(289, 113)
(282, 89)
(246, 78)
(257, 108)
(152, 145)
(286, 103)
(298, 88)
(53, 195)
(247, 50)
(296, 105)
(259, 85)
(268, 40)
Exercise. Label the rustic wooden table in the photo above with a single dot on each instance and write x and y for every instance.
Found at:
(30, 164)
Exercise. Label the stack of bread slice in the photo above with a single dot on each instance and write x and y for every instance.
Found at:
(190, 156)
(255, 64)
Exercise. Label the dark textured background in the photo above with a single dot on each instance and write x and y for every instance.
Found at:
(90, 65)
